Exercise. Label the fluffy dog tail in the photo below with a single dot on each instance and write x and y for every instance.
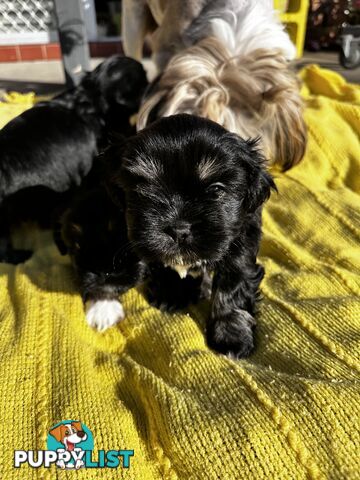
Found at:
(253, 95)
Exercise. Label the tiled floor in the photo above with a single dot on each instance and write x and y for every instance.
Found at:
(46, 77)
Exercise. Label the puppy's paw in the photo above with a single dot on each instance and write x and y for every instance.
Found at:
(172, 296)
(232, 334)
(168, 292)
(102, 314)
(162, 302)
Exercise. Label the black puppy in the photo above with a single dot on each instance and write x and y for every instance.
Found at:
(53, 145)
(186, 197)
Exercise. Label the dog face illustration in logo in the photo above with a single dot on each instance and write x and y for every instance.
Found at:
(69, 434)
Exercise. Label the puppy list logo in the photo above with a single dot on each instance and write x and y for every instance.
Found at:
(70, 445)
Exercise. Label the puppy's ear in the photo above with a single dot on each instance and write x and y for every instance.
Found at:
(130, 87)
(67, 234)
(58, 239)
(150, 109)
(259, 181)
(111, 159)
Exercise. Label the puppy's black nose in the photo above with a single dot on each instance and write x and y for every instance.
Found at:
(80, 434)
(180, 231)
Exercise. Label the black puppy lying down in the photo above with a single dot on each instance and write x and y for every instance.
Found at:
(53, 145)
(184, 197)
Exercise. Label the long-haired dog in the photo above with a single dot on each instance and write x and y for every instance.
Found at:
(51, 147)
(184, 200)
(228, 61)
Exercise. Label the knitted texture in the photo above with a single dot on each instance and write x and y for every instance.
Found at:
(151, 384)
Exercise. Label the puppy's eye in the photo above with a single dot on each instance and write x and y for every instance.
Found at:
(67, 432)
(216, 190)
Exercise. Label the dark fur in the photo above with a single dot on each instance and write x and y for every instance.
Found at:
(53, 144)
(94, 234)
(169, 211)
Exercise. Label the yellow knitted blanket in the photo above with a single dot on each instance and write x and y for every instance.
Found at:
(150, 384)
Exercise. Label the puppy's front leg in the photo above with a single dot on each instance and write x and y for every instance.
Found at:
(168, 292)
(93, 232)
(231, 324)
(100, 292)
(136, 21)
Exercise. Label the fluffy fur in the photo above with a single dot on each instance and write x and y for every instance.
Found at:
(53, 145)
(232, 67)
(185, 200)
(102, 314)
(253, 95)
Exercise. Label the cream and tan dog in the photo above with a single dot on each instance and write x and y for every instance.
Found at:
(226, 60)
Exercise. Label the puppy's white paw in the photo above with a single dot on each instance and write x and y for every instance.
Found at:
(102, 314)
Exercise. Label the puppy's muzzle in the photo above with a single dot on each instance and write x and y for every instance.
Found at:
(180, 232)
